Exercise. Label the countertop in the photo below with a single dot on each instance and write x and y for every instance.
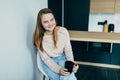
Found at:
(106, 37)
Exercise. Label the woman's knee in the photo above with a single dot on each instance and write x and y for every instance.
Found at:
(54, 76)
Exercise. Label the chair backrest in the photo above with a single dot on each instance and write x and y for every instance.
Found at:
(39, 64)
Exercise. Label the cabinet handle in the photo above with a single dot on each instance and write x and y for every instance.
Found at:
(111, 47)
(87, 45)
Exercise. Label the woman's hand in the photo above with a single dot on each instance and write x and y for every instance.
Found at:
(75, 67)
(63, 71)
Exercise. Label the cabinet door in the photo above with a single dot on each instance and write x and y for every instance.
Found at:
(79, 50)
(99, 52)
(117, 6)
(56, 7)
(115, 55)
(102, 6)
(76, 17)
(76, 14)
(92, 52)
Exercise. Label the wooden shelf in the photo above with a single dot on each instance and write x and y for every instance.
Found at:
(94, 36)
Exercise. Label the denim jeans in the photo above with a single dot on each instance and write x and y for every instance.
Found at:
(60, 60)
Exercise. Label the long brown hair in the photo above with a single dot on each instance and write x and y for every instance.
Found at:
(39, 31)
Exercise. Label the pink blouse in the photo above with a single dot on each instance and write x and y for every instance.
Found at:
(63, 45)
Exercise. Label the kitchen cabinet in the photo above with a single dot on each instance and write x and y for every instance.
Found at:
(72, 14)
(76, 17)
(117, 6)
(99, 53)
(115, 55)
(76, 14)
(92, 53)
(56, 7)
(102, 6)
(97, 73)
(107, 53)
(97, 64)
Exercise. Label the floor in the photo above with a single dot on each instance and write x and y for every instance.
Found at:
(97, 73)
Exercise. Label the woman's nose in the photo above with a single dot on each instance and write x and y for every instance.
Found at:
(50, 23)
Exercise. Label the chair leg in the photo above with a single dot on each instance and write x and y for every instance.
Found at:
(43, 77)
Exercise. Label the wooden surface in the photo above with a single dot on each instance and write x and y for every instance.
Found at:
(102, 6)
(117, 6)
(94, 36)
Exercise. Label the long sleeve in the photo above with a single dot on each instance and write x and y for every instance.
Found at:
(68, 48)
(49, 62)
(63, 46)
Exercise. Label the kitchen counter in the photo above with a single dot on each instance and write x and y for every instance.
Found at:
(94, 36)
(98, 37)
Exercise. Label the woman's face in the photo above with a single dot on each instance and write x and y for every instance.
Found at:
(48, 21)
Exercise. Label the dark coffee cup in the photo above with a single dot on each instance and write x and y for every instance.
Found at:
(111, 28)
(69, 65)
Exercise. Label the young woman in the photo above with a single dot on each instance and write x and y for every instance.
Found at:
(53, 44)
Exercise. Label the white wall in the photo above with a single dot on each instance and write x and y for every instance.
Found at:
(17, 24)
(111, 18)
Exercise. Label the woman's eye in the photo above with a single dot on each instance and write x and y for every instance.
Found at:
(45, 21)
(52, 19)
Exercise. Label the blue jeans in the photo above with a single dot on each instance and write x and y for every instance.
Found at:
(60, 60)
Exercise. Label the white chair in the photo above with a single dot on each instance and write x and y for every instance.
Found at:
(39, 64)
(45, 77)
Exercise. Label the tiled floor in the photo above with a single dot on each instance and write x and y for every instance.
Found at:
(97, 73)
